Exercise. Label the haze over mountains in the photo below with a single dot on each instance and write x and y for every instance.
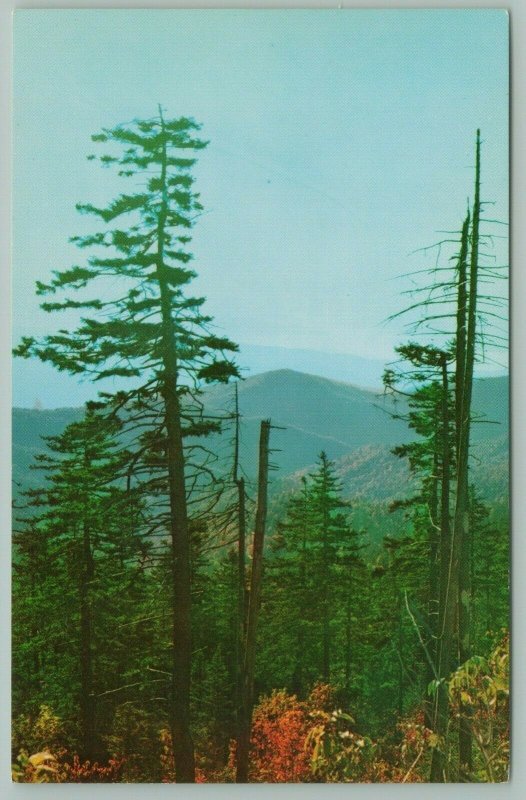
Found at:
(354, 426)
(38, 384)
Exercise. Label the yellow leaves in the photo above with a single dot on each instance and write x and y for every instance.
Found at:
(38, 768)
(433, 740)
(501, 685)
(314, 740)
(38, 760)
(478, 693)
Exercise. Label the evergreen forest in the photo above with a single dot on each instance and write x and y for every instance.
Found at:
(183, 611)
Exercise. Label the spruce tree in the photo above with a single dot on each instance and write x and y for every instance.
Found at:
(329, 529)
(290, 608)
(76, 551)
(314, 574)
(147, 331)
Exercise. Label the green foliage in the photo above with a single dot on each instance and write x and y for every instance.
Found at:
(129, 327)
(314, 589)
(35, 733)
(135, 739)
(118, 551)
(76, 569)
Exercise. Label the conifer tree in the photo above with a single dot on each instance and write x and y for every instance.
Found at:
(329, 530)
(456, 307)
(148, 331)
(314, 578)
(78, 537)
(350, 592)
(290, 602)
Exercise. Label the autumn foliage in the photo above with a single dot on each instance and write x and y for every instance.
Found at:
(280, 728)
(46, 767)
(300, 741)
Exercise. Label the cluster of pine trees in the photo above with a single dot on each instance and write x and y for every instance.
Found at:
(153, 603)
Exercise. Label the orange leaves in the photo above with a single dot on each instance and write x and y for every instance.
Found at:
(297, 741)
(279, 729)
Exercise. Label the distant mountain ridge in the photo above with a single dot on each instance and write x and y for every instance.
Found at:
(38, 384)
(354, 426)
(361, 371)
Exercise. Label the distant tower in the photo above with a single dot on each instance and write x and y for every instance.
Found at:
(37, 405)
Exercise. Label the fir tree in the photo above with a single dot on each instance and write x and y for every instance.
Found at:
(151, 333)
(77, 547)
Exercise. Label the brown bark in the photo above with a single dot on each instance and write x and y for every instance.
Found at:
(462, 526)
(180, 539)
(243, 742)
(449, 556)
(433, 597)
(241, 576)
(87, 697)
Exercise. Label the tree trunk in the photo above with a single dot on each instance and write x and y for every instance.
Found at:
(449, 555)
(183, 748)
(326, 656)
(241, 562)
(348, 646)
(243, 742)
(241, 572)
(461, 330)
(433, 597)
(87, 698)
(462, 526)
(400, 646)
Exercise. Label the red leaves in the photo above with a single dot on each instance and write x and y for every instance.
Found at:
(87, 772)
(47, 767)
(280, 727)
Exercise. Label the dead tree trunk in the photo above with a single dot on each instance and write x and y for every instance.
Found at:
(243, 743)
(434, 578)
(241, 573)
(462, 526)
(449, 556)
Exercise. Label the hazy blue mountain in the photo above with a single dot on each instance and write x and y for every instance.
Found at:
(35, 383)
(29, 426)
(360, 371)
(354, 426)
(39, 385)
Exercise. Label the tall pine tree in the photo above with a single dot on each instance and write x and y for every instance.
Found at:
(146, 329)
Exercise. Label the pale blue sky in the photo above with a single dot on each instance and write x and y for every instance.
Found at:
(340, 141)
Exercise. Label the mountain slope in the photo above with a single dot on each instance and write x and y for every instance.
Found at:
(352, 425)
(327, 408)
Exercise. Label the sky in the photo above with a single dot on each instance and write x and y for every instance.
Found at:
(340, 142)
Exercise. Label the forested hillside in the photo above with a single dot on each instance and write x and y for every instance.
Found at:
(316, 414)
(355, 427)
